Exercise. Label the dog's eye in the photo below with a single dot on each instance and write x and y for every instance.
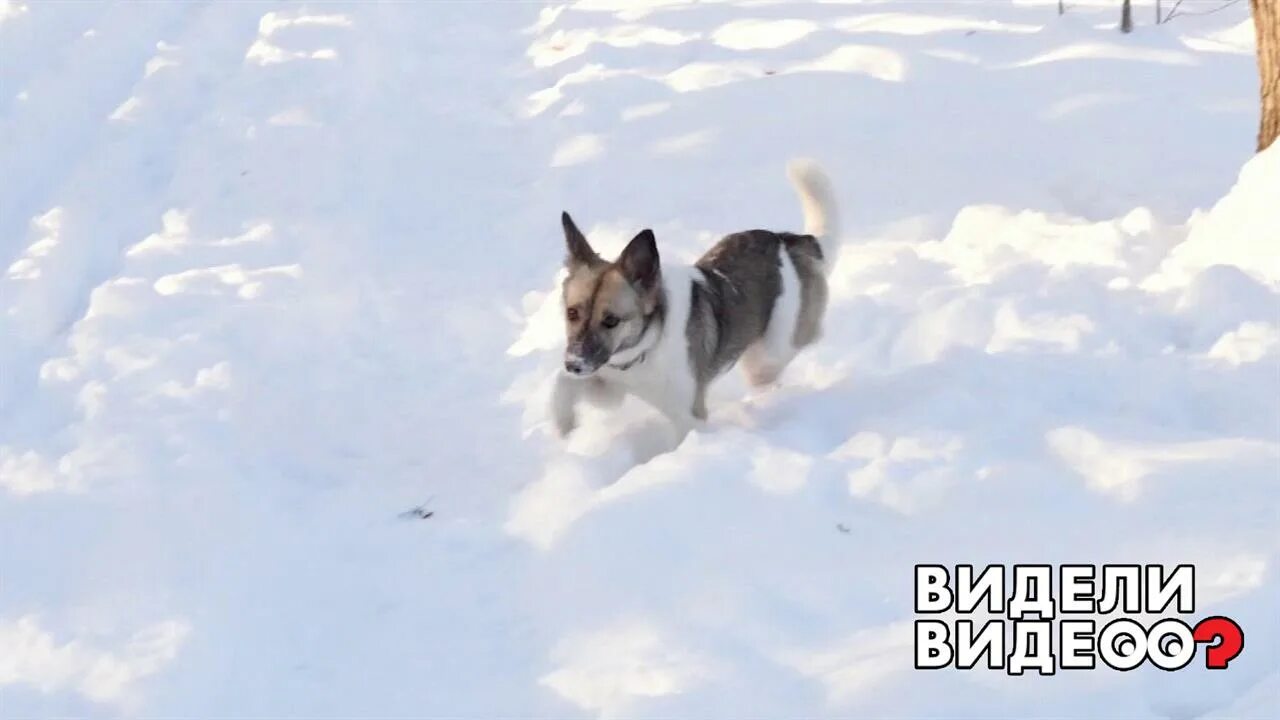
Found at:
(610, 321)
(572, 314)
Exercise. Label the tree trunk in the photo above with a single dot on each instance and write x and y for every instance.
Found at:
(1126, 17)
(1158, 18)
(1266, 23)
(1061, 8)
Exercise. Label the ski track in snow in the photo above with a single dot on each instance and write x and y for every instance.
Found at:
(272, 274)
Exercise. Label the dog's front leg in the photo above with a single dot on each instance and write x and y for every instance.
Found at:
(686, 409)
(564, 401)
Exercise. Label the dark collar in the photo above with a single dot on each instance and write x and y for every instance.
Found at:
(631, 363)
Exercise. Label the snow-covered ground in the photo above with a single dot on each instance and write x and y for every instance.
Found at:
(272, 275)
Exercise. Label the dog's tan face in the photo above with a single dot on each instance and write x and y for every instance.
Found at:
(607, 305)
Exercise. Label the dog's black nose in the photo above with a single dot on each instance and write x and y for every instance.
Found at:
(574, 366)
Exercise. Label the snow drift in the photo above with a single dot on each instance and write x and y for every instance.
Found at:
(278, 305)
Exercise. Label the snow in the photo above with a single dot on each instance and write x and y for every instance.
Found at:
(1230, 233)
(275, 274)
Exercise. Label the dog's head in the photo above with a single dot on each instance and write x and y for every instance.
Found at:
(607, 305)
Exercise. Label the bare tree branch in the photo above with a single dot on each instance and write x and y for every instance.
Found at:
(1173, 12)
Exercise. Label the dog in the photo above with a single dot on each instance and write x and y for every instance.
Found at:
(636, 326)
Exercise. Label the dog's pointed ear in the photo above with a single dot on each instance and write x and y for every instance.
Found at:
(580, 252)
(639, 261)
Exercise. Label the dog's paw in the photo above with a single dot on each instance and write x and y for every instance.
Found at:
(563, 407)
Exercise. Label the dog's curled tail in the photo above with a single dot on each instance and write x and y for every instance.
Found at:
(819, 206)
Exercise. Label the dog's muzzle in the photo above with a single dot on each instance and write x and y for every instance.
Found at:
(580, 365)
(575, 366)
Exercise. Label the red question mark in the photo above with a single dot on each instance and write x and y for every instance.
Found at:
(1229, 636)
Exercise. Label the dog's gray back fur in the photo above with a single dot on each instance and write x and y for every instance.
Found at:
(741, 281)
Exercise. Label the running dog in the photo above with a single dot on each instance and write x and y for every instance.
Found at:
(636, 326)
